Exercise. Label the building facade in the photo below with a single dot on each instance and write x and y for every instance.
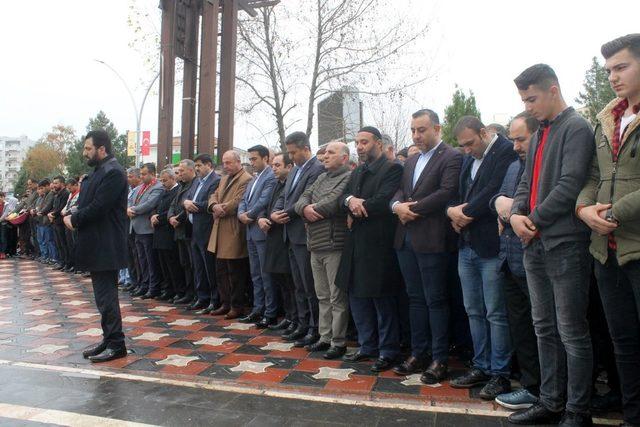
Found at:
(12, 152)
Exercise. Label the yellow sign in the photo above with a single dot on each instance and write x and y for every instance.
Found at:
(131, 143)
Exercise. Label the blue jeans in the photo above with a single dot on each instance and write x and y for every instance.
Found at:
(45, 242)
(264, 295)
(376, 321)
(483, 289)
(558, 282)
(425, 277)
(123, 276)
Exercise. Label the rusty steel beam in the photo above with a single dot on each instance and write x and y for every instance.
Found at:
(167, 81)
(227, 75)
(208, 67)
(189, 81)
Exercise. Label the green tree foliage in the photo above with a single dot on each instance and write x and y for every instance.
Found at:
(21, 183)
(597, 91)
(77, 165)
(461, 105)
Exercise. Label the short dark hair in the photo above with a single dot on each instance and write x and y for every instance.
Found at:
(60, 178)
(151, 167)
(299, 139)
(500, 130)
(630, 41)
(285, 158)
(72, 181)
(468, 122)
(44, 183)
(433, 116)
(404, 153)
(260, 149)
(540, 75)
(100, 138)
(532, 123)
(204, 158)
(2, 194)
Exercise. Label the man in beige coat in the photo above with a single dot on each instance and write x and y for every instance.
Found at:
(228, 240)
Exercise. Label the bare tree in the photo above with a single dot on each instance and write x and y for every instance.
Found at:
(392, 115)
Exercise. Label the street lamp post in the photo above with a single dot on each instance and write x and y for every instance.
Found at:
(138, 112)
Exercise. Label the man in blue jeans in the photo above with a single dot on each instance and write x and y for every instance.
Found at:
(483, 282)
(556, 259)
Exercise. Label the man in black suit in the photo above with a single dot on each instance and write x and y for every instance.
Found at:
(59, 201)
(178, 219)
(423, 241)
(163, 238)
(306, 171)
(276, 261)
(102, 239)
(369, 269)
(483, 282)
(203, 261)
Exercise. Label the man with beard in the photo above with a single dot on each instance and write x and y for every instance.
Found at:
(102, 239)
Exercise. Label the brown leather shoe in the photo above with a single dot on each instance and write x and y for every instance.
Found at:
(234, 314)
(409, 366)
(220, 311)
(435, 373)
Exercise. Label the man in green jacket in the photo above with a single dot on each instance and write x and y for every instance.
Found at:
(610, 205)
(326, 226)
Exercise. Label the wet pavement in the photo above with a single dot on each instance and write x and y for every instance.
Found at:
(189, 370)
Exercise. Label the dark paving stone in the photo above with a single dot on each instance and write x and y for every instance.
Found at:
(220, 372)
(359, 368)
(139, 350)
(208, 356)
(183, 344)
(238, 338)
(250, 349)
(144, 365)
(390, 385)
(300, 378)
(282, 362)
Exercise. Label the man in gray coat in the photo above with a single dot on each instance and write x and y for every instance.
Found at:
(146, 199)
(326, 229)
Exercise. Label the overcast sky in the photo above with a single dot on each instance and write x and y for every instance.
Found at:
(49, 75)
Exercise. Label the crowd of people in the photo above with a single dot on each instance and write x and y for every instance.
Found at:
(518, 248)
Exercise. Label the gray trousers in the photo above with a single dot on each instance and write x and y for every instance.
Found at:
(333, 305)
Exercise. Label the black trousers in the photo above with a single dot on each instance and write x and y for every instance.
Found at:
(60, 238)
(134, 271)
(287, 291)
(33, 236)
(70, 237)
(306, 299)
(204, 273)
(619, 288)
(233, 282)
(184, 254)
(171, 271)
(150, 274)
(523, 335)
(105, 291)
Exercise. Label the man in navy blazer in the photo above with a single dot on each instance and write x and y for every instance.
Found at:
(483, 282)
(203, 261)
(253, 206)
(306, 171)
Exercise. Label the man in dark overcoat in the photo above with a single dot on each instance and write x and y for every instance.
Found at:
(369, 268)
(102, 239)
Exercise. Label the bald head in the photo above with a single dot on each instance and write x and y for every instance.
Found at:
(231, 162)
(336, 156)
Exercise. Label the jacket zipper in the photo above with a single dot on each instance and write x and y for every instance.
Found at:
(615, 163)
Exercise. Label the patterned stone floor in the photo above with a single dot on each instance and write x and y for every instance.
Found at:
(47, 317)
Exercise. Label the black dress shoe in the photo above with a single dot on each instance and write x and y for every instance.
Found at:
(435, 373)
(139, 293)
(409, 366)
(382, 364)
(127, 287)
(68, 269)
(94, 349)
(165, 296)
(536, 414)
(108, 355)
(357, 357)
(289, 330)
(265, 322)
(298, 333)
(184, 300)
(335, 352)
(495, 387)
(198, 305)
(318, 346)
(573, 419)
(251, 318)
(609, 402)
(58, 267)
(472, 378)
(306, 340)
(175, 299)
(208, 309)
(283, 324)
(149, 295)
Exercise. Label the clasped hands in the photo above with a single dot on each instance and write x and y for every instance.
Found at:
(458, 219)
(404, 212)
